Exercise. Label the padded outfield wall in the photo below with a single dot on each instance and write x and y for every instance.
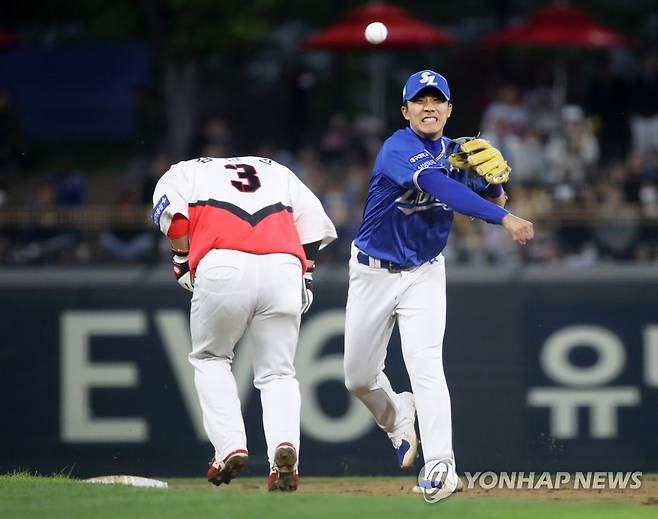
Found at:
(548, 370)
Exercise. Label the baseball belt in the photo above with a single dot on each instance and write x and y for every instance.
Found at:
(369, 261)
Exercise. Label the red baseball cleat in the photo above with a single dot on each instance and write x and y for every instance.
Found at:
(224, 471)
(284, 475)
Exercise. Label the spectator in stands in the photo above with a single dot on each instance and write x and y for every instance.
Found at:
(3, 193)
(214, 139)
(44, 237)
(644, 122)
(609, 101)
(507, 110)
(616, 227)
(158, 164)
(309, 168)
(335, 141)
(523, 150)
(631, 176)
(573, 150)
(527, 156)
(10, 133)
(542, 108)
(128, 238)
(543, 248)
(69, 185)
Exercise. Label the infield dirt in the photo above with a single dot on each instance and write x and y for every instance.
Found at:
(647, 494)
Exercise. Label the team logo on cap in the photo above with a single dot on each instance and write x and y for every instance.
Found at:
(428, 77)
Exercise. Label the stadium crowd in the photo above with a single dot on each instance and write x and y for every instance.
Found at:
(587, 175)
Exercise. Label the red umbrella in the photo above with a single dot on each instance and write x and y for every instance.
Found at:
(6, 39)
(559, 26)
(404, 31)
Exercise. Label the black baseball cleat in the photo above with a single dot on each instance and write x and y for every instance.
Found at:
(224, 471)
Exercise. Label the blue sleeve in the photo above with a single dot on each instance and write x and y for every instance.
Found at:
(399, 163)
(458, 196)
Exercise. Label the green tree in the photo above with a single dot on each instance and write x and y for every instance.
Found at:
(179, 32)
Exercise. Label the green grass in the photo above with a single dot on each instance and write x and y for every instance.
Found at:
(25, 496)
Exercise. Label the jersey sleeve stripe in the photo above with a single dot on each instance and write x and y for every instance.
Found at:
(415, 180)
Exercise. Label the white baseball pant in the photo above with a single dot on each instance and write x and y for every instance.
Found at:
(239, 294)
(417, 300)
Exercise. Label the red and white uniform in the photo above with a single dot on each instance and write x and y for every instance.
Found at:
(248, 218)
(252, 204)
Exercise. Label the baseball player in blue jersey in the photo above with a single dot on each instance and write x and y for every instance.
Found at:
(397, 271)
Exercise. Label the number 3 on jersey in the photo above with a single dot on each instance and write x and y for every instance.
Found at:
(248, 173)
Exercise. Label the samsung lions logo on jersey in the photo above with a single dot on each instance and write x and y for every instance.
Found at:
(413, 201)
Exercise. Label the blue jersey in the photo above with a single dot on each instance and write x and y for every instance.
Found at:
(401, 223)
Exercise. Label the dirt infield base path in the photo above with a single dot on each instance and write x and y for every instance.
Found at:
(647, 494)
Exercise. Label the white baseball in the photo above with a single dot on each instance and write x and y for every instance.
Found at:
(376, 32)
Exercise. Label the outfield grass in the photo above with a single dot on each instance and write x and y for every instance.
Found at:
(23, 496)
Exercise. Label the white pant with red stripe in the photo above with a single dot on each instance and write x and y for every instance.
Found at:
(258, 297)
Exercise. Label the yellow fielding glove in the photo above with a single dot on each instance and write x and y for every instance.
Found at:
(482, 158)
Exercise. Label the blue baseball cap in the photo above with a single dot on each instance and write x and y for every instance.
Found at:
(425, 79)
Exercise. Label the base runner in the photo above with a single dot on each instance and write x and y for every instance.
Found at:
(244, 232)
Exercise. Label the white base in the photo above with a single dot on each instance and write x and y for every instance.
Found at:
(131, 481)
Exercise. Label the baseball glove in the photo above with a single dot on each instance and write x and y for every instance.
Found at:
(479, 156)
